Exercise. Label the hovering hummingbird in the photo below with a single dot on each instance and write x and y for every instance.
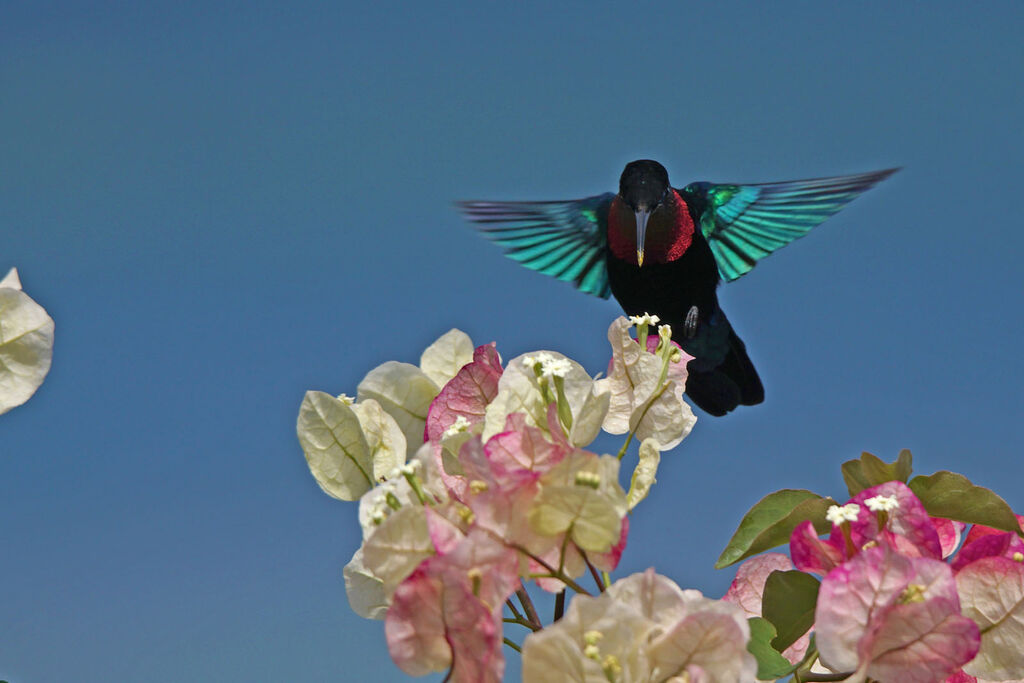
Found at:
(664, 251)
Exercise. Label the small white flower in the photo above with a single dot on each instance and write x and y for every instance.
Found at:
(845, 513)
(645, 319)
(542, 359)
(556, 367)
(379, 513)
(882, 503)
(460, 425)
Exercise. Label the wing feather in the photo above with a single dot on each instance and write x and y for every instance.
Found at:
(565, 240)
(745, 223)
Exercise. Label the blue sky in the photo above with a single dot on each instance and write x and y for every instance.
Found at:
(225, 204)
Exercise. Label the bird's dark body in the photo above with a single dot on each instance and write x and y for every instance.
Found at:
(722, 376)
(668, 289)
(664, 251)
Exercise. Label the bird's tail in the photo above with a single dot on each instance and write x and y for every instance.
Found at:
(717, 391)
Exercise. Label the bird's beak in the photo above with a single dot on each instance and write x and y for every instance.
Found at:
(642, 214)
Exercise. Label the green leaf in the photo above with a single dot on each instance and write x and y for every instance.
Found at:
(770, 664)
(871, 470)
(788, 603)
(771, 521)
(953, 496)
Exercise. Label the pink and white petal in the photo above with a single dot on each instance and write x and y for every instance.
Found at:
(556, 653)
(950, 532)
(978, 530)
(921, 642)
(747, 589)
(475, 635)
(658, 598)
(466, 394)
(397, 546)
(608, 561)
(442, 360)
(991, 545)
(812, 554)
(522, 451)
(849, 597)
(713, 641)
(482, 565)
(992, 594)
(414, 626)
(892, 617)
(434, 625)
(443, 534)
(909, 520)
(961, 677)
(554, 656)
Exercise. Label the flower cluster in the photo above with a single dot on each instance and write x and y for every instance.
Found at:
(475, 486)
(643, 628)
(474, 482)
(905, 596)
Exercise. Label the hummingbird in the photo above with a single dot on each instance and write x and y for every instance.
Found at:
(664, 251)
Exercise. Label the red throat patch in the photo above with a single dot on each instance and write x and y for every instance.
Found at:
(669, 231)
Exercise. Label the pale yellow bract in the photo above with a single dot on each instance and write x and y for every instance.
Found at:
(26, 343)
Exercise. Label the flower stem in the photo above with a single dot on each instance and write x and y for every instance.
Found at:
(561, 552)
(527, 603)
(553, 573)
(559, 605)
(622, 451)
(564, 411)
(512, 606)
(512, 645)
(417, 487)
(593, 572)
(521, 622)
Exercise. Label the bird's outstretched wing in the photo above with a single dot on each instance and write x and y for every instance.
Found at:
(745, 223)
(563, 239)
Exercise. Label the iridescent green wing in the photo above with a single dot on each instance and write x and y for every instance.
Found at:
(563, 239)
(745, 223)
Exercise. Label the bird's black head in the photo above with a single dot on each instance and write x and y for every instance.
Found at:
(643, 184)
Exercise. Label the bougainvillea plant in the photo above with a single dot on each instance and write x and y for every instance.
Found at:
(476, 488)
